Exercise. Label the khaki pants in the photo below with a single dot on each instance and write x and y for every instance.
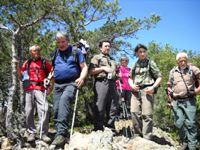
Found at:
(36, 98)
(142, 110)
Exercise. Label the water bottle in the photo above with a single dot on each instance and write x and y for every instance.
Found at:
(25, 76)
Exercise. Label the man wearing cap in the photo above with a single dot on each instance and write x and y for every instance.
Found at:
(33, 73)
(181, 97)
(103, 68)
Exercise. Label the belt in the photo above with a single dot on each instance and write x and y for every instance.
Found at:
(66, 80)
(144, 86)
(37, 83)
(183, 98)
(104, 79)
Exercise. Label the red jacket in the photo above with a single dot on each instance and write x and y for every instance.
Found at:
(36, 73)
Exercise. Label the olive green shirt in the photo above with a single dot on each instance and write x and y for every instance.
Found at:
(145, 72)
(100, 60)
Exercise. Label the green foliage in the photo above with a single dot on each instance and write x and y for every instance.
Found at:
(5, 69)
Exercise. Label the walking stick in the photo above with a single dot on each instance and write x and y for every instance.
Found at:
(73, 118)
(169, 104)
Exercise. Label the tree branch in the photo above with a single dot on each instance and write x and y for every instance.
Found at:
(6, 28)
(35, 21)
(15, 20)
(92, 17)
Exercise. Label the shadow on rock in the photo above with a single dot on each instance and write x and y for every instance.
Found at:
(161, 140)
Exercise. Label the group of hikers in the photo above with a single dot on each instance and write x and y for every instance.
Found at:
(68, 72)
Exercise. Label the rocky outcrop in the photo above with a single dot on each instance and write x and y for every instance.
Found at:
(104, 141)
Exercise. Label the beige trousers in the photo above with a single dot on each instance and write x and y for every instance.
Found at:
(142, 110)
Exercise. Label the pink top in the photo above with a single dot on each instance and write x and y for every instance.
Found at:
(124, 75)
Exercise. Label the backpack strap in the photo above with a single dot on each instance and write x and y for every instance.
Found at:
(172, 72)
(196, 82)
(150, 70)
(44, 66)
(75, 54)
(28, 65)
(149, 67)
(54, 54)
(134, 68)
(192, 71)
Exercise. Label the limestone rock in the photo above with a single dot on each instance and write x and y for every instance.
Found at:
(6, 144)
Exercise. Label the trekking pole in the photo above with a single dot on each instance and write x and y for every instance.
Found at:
(73, 118)
(169, 105)
(43, 114)
(124, 109)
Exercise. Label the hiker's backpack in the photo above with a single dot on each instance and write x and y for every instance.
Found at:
(25, 76)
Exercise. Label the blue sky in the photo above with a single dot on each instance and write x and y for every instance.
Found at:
(179, 25)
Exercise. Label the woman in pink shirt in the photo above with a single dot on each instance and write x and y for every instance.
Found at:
(124, 72)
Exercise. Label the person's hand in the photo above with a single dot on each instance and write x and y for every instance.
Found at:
(46, 82)
(79, 82)
(49, 89)
(169, 104)
(149, 90)
(107, 69)
(135, 88)
(120, 75)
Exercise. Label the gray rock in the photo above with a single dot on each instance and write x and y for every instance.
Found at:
(106, 141)
(96, 140)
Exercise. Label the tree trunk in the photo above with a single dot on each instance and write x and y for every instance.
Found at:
(19, 47)
(12, 91)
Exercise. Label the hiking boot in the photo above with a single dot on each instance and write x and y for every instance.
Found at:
(31, 137)
(45, 138)
(184, 146)
(59, 140)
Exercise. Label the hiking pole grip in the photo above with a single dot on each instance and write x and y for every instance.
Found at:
(73, 118)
